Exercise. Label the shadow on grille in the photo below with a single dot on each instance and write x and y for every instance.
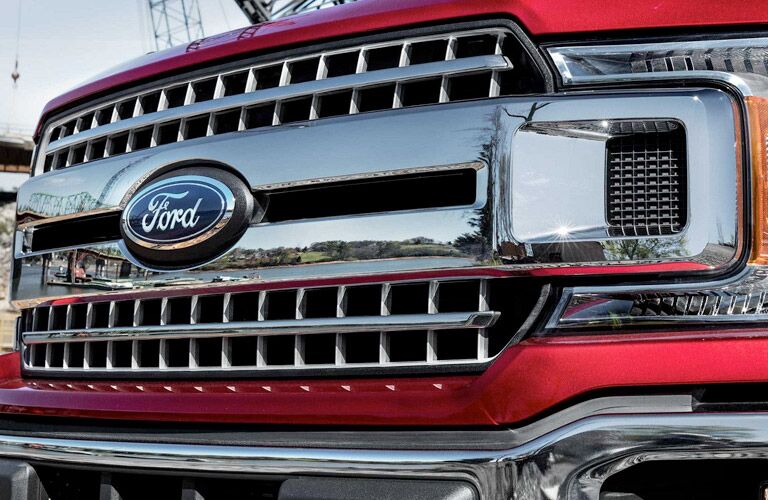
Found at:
(411, 324)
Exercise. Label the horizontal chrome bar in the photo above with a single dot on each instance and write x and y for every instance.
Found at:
(402, 322)
(401, 74)
(570, 462)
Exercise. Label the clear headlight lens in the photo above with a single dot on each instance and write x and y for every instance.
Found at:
(586, 64)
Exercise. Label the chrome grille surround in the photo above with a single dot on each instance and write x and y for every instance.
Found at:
(382, 325)
(384, 75)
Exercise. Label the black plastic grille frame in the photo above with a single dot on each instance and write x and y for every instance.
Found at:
(646, 178)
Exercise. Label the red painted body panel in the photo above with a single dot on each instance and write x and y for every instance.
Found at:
(539, 17)
(526, 381)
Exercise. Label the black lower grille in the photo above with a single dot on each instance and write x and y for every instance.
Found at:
(646, 185)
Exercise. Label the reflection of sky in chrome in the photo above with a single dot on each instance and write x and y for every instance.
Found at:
(442, 226)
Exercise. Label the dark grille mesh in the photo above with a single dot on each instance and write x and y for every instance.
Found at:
(646, 185)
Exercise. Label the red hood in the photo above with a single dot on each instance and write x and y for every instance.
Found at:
(539, 17)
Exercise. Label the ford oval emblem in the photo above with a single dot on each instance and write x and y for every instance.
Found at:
(184, 219)
(178, 212)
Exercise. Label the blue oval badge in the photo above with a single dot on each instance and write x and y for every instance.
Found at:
(178, 212)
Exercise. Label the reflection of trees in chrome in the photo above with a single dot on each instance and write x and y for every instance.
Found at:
(336, 251)
(655, 248)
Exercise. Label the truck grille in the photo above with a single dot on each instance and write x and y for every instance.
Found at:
(383, 325)
(360, 78)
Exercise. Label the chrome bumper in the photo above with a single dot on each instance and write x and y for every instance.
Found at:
(540, 461)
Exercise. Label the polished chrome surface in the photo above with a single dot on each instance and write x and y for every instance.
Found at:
(88, 338)
(503, 229)
(140, 121)
(569, 462)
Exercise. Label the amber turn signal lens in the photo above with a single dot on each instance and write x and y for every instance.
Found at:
(757, 108)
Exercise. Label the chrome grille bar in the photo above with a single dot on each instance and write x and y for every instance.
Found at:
(289, 90)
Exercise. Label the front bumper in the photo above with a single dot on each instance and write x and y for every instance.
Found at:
(567, 455)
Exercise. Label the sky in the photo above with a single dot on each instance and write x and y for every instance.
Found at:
(63, 43)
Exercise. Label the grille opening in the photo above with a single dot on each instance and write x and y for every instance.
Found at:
(226, 122)
(646, 168)
(524, 77)
(78, 316)
(471, 46)
(176, 96)
(364, 300)
(178, 353)
(125, 109)
(149, 353)
(67, 129)
(180, 310)
(409, 299)
(62, 483)
(304, 71)
(269, 77)
(383, 58)
(427, 52)
(209, 351)
(362, 348)
(142, 139)
(117, 144)
(61, 159)
(150, 102)
(458, 296)
(422, 92)
(196, 127)
(456, 344)
(204, 90)
(281, 305)
(334, 104)
(469, 87)
(100, 315)
(168, 133)
(77, 232)
(59, 321)
(150, 312)
(280, 349)
(37, 355)
(121, 354)
(48, 163)
(69, 484)
(702, 479)
(376, 98)
(56, 355)
(341, 64)
(85, 122)
(244, 351)
(320, 349)
(42, 318)
(78, 154)
(104, 115)
(320, 303)
(245, 307)
(260, 116)
(211, 309)
(296, 110)
(416, 191)
(98, 354)
(124, 313)
(407, 346)
(76, 354)
(235, 83)
(98, 148)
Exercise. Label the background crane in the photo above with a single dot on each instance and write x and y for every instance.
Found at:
(176, 22)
